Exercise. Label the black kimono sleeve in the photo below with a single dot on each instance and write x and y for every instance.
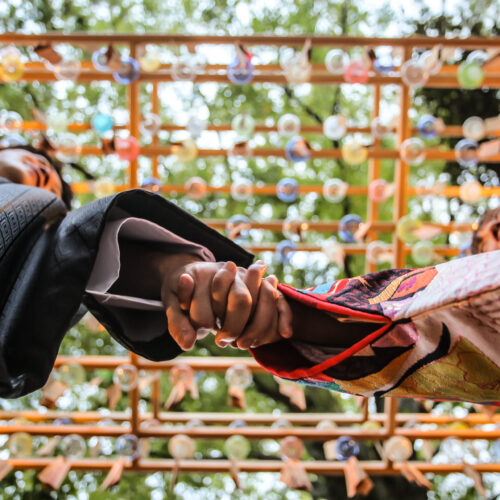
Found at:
(46, 258)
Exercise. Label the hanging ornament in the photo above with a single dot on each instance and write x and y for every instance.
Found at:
(126, 377)
(236, 448)
(10, 121)
(379, 129)
(196, 125)
(293, 392)
(11, 64)
(114, 475)
(297, 149)
(196, 188)
(335, 127)
(471, 192)
(298, 68)
(335, 190)
(411, 230)
(285, 250)
(183, 381)
(412, 151)
(348, 226)
(238, 153)
(474, 128)
(287, 190)
(329, 447)
(334, 251)
(68, 148)
(432, 60)
(106, 59)
(470, 75)
(13, 140)
(183, 69)
(294, 228)
(52, 391)
(185, 150)
(356, 72)
(73, 446)
(151, 184)
(103, 187)
(354, 152)
(242, 189)
(20, 445)
(48, 53)
(347, 447)
(150, 124)
(52, 476)
(429, 127)
(289, 125)
(181, 447)
(336, 61)
(241, 70)
(128, 72)
(238, 227)
(398, 449)
(466, 153)
(150, 60)
(127, 149)
(423, 253)
(384, 64)
(71, 374)
(67, 69)
(238, 377)
(356, 479)
(102, 123)
(57, 122)
(293, 473)
(128, 446)
(380, 190)
(243, 124)
(378, 252)
(487, 149)
(414, 74)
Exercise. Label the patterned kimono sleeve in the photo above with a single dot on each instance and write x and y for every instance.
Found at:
(435, 333)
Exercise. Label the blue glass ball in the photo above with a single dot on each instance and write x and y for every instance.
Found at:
(297, 149)
(285, 250)
(151, 184)
(129, 71)
(238, 227)
(287, 190)
(384, 65)
(348, 225)
(427, 127)
(100, 59)
(101, 123)
(240, 72)
(346, 447)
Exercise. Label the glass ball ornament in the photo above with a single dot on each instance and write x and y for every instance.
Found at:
(237, 424)
(196, 188)
(151, 184)
(478, 56)
(183, 69)
(289, 125)
(291, 448)
(294, 228)
(239, 376)
(297, 149)
(128, 445)
(67, 69)
(103, 187)
(335, 127)
(285, 250)
(426, 127)
(237, 447)
(196, 125)
(423, 253)
(335, 190)
(470, 75)
(346, 446)
(378, 128)
(242, 189)
(100, 59)
(354, 153)
(287, 190)
(102, 123)
(297, 70)
(240, 70)
(57, 122)
(378, 252)
(150, 60)
(466, 153)
(127, 149)
(405, 228)
(384, 64)
(336, 61)
(68, 148)
(238, 226)
(185, 151)
(413, 73)
(356, 72)
(13, 140)
(431, 62)
(474, 128)
(181, 447)
(73, 446)
(150, 124)
(128, 72)
(243, 124)
(348, 226)
(126, 377)
(11, 121)
(20, 445)
(471, 192)
(412, 151)
(281, 423)
(398, 449)
(71, 374)
(379, 190)
(11, 64)
(326, 424)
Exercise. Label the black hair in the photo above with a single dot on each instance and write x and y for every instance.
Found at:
(489, 216)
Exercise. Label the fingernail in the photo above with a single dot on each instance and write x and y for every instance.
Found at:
(260, 263)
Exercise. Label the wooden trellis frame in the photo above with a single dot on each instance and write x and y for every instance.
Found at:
(85, 422)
